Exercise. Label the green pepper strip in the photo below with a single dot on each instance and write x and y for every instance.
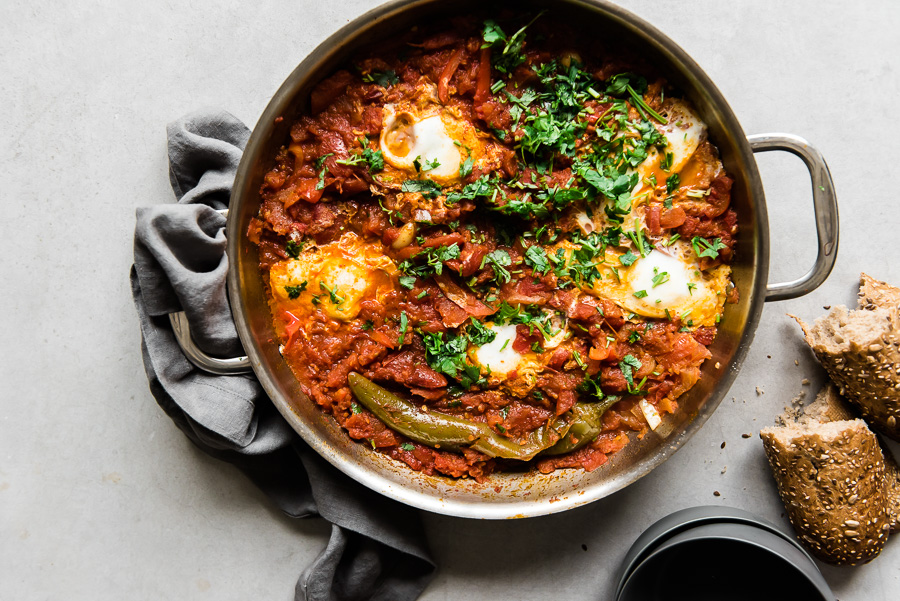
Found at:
(587, 423)
(445, 431)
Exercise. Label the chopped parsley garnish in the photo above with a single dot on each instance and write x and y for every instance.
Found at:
(479, 334)
(425, 187)
(384, 79)
(293, 249)
(320, 165)
(355, 408)
(373, 158)
(433, 261)
(368, 325)
(294, 291)
(404, 322)
(336, 299)
(407, 446)
(407, 281)
(426, 165)
(507, 52)
(499, 260)
(465, 168)
(628, 259)
(449, 358)
(690, 287)
(628, 365)
(672, 183)
(666, 162)
(536, 258)
(705, 248)
(659, 277)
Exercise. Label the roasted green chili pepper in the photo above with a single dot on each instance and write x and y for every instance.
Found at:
(587, 423)
(445, 431)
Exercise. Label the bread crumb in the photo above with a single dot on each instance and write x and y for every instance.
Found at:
(759, 391)
(805, 382)
(717, 493)
(768, 356)
(796, 362)
(724, 469)
(826, 307)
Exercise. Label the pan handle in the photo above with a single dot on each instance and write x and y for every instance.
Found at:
(213, 365)
(824, 205)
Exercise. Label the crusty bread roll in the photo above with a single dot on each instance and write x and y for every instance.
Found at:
(860, 349)
(829, 406)
(831, 478)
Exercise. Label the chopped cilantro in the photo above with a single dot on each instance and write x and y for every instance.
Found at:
(536, 258)
(407, 281)
(465, 168)
(659, 277)
(293, 249)
(384, 79)
(628, 365)
(425, 187)
(404, 322)
(294, 291)
(479, 334)
(407, 446)
(434, 259)
(672, 183)
(628, 258)
(335, 298)
(499, 260)
(705, 248)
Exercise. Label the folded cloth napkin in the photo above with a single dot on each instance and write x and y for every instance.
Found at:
(377, 548)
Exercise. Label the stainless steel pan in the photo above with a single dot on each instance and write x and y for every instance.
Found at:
(518, 495)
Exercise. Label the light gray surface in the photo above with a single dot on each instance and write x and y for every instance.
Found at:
(102, 498)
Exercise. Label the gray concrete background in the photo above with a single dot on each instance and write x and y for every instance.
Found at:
(102, 498)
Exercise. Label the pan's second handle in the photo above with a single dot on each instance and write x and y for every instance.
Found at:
(220, 367)
(824, 205)
(213, 365)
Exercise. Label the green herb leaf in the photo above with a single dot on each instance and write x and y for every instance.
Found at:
(294, 291)
(705, 248)
(407, 446)
(425, 187)
(628, 258)
(536, 258)
(293, 249)
(404, 322)
(672, 183)
(498, 260)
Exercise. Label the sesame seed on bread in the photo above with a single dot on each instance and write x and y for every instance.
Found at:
(831, 479)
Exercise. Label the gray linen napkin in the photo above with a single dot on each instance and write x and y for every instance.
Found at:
(377, 549)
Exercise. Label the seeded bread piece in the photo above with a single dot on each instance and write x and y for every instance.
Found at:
(831, 480)
(829, 406)
(875, 294)
(861, 352)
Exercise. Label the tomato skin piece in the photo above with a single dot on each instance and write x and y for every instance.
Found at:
(483, 86)
(447, 74)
